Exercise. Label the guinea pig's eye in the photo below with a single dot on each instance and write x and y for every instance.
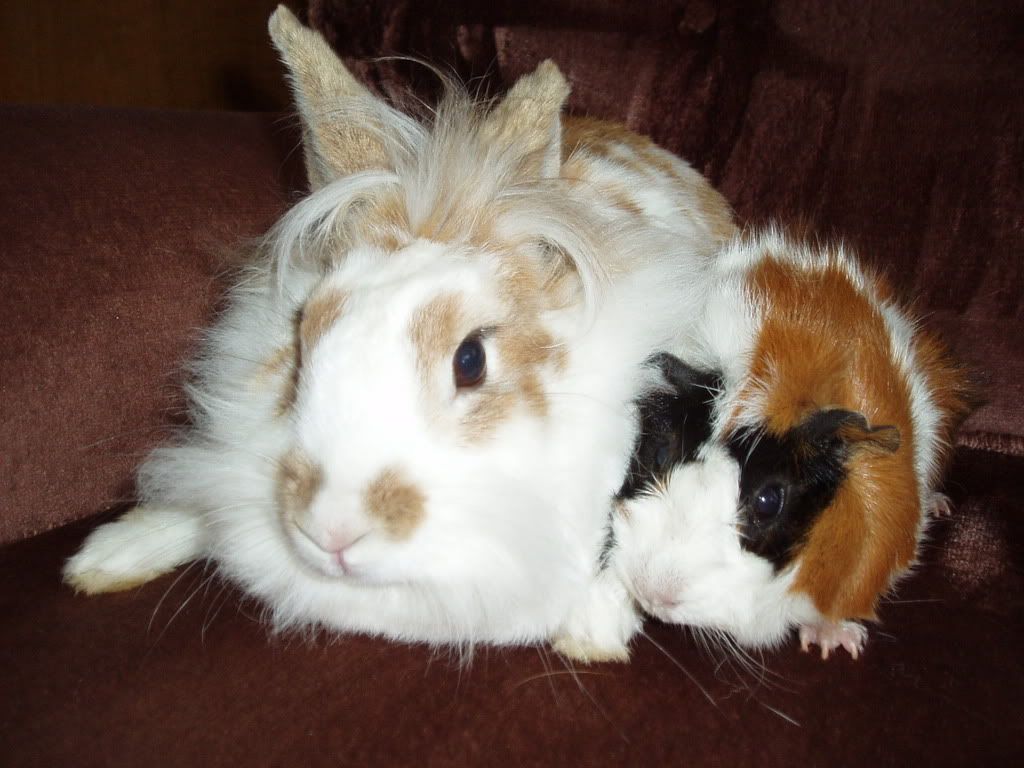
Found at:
(661, 457)
(768, 502)
(469, 365)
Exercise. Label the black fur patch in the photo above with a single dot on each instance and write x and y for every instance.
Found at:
(674, 423)
(807, 464)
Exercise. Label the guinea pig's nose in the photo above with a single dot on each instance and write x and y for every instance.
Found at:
(660, 597)
(664, 600)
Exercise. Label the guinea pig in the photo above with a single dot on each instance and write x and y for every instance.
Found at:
(411, 417)
(829, 433)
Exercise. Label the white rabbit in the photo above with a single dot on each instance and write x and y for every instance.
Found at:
(411, 418)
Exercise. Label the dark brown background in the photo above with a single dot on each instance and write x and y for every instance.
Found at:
(184, 54)
(897, 124)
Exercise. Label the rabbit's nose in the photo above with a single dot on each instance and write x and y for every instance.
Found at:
(334, 541)
(340, 543)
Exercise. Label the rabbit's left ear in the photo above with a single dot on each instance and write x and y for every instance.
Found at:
(528, 121)
(338, 133)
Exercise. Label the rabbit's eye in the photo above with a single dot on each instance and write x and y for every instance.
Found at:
(470, 362)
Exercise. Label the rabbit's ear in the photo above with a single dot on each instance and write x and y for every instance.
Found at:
(337, 137)
(528, 121)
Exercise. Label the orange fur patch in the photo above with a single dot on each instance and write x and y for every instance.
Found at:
(823, 344)
(398, 504)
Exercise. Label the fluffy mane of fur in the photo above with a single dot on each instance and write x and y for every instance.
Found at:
(418, 234)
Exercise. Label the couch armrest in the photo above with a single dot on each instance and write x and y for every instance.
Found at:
(114, 224)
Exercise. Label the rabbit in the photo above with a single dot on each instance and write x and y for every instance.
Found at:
(813, 463)
(411, 417)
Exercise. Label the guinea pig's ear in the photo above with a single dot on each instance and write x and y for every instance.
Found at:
(337, 137)
(528, 122)
(853, 430)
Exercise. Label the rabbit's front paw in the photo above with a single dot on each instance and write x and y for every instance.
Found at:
(143, 544)
(602, 627)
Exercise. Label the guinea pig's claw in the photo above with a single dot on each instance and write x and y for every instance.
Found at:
(829, 635)
(941, 505)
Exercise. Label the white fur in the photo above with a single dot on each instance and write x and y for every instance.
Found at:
(507, 551)
(678, 554)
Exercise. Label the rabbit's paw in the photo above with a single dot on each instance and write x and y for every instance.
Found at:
(829, 635)
(145, 543)
(602, 627)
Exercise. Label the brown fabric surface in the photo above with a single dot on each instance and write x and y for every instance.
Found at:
(893, 126)
(114, 226)
(898, 127)
(180, 673)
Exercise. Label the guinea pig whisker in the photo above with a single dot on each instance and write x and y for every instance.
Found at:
(547, 674)
(779, 713)
(574, 673)
(680, 666)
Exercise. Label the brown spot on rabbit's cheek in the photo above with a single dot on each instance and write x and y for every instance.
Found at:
(280, 370)
(523, 353)
(298, 480)
(320, 313)
(279, 360)
(434, 331)
(395, 502)
(533, 394)
(289, 391)
(489, 409)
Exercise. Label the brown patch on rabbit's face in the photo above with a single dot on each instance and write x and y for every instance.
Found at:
(281, 369)
(525, 348)
(521, 347)
(435, 331)
(321, 311)
(397, 504)
(298, 480)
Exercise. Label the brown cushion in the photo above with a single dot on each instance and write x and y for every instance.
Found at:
(889, 125)
(115, 223)
(182, 673)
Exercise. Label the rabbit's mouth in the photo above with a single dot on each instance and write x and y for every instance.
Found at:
(332, 557)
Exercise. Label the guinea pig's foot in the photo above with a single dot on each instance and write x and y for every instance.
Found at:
(829, 635)
(941, 505)
(145, 543)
